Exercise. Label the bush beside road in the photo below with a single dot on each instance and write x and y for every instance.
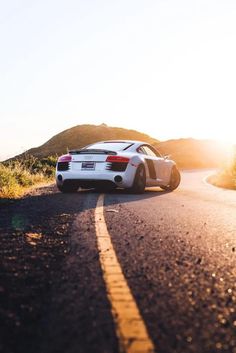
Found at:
(226, 177)
(18, 176)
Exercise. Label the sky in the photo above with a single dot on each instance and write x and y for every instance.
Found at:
(163, 67)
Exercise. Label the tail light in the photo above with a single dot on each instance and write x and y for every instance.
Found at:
(117, 163)
(65, 158)
(117, 159)
(63, 162)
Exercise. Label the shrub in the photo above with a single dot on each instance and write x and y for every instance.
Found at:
(17, 175)
(226, 177)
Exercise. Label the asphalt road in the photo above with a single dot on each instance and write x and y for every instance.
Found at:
(177, 251)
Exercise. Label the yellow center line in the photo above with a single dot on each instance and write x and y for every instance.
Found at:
(130, 327)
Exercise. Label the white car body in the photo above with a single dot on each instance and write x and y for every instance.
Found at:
(114, 163)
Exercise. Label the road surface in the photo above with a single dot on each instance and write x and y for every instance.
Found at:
(176, 251)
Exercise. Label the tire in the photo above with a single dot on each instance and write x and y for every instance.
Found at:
(139, 183)
(175, 179)
(67, 188)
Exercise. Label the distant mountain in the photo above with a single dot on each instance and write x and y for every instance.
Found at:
(192, 153)
(82, 135)
(188, 153)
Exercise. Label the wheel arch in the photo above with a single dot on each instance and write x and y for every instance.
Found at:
(171, 165)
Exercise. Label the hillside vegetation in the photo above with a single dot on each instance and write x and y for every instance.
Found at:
(82, 135)
(17, 176)
(226, 176)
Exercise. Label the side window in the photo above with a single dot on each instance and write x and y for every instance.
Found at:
(149, 152)
(141, 150)
(157, 153)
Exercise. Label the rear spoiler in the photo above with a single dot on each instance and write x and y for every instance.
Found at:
(92, 151)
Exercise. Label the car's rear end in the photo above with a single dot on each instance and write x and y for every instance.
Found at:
(95, 167)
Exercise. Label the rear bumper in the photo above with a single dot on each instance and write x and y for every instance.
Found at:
(89, 184)
(95, 179)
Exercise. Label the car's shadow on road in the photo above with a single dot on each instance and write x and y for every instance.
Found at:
(119, 196)
(48, 203)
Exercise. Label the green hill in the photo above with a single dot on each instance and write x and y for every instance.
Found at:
(82, 135)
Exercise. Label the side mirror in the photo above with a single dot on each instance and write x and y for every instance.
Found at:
(167, 156)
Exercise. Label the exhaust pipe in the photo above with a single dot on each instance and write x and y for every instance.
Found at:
(118, 179)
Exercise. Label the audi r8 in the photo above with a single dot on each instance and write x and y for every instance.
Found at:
(126, 164)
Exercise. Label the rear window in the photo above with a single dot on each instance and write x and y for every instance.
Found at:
(111, 146)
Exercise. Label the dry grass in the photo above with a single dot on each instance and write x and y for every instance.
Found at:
(16, 178)
(226, 177)
(223, 180)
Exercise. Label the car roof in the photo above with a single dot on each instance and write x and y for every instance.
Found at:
(124, 141)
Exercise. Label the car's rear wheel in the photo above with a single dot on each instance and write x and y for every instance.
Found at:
(175, 179)
(67, 188)
(139, 183)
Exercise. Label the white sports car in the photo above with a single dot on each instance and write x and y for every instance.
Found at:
(132, 165)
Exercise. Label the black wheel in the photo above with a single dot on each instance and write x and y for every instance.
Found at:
(67, 188)
(174, 180)
(139, 180)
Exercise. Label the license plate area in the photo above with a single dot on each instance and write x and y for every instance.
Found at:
(88, 166)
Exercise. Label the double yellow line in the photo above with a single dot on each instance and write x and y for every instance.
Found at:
(130, 327)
